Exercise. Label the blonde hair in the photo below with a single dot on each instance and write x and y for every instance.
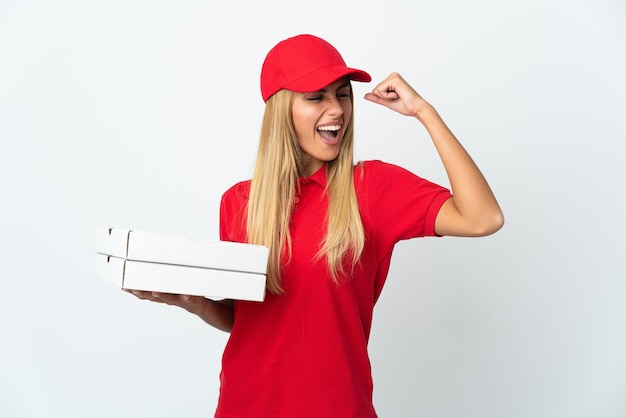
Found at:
(274, 186)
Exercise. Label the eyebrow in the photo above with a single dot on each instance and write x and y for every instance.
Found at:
(346, 84)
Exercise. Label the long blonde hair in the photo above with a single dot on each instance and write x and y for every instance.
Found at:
(274, 186)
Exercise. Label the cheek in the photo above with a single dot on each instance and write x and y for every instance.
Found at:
(303, 123)
(347, 111)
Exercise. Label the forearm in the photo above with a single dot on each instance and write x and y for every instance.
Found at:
(219, 314)
(472, 196)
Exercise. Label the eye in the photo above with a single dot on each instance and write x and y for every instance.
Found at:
(343, 93)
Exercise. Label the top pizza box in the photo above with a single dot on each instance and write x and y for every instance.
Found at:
(181, 250)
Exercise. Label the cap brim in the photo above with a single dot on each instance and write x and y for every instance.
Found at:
(322, 77)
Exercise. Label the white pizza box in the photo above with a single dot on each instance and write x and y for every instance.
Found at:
(181, 250)
(186, 280)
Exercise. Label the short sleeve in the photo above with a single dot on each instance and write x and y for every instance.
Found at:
(233, 207)
(399, 204)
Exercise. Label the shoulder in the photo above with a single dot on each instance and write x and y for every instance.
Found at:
(235, 197)
(379, 179)
(379, 171)
(240, 190)
(233, 208)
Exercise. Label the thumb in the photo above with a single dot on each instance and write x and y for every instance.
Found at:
(386, 97)
(372, 98)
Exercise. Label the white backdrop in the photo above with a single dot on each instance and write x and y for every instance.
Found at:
(139, 114)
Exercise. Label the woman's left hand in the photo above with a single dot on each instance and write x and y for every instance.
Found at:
(396, 94)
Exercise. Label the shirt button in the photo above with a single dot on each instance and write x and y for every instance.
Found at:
(296, 199)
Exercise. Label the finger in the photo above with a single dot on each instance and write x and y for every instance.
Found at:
(391, 94)
(146, 295)
(169, 298)
(382, 95)
(183, 301)
(372, 98)
(138, 293)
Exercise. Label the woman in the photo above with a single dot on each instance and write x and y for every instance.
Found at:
(331, 227)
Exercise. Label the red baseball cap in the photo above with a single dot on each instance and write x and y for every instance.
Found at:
(304, 63)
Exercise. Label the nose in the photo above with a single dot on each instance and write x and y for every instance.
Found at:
(334, 107)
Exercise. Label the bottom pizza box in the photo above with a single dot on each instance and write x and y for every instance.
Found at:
(180, 279)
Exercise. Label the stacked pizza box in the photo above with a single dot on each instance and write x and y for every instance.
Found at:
(159, 262)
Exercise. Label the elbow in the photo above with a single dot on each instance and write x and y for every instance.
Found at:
(480, 221)
(490, 225)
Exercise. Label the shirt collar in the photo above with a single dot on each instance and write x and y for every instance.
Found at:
(318, 177)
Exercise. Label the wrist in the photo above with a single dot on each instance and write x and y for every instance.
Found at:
(193, 304)
(426, 113)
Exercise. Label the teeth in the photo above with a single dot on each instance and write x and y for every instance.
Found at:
(329, 128)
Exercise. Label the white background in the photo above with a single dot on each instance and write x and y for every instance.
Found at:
(139, 114)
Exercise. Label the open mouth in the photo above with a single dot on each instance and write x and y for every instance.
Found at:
(329, 132)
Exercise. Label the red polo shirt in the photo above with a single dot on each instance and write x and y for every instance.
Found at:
(304, 353)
